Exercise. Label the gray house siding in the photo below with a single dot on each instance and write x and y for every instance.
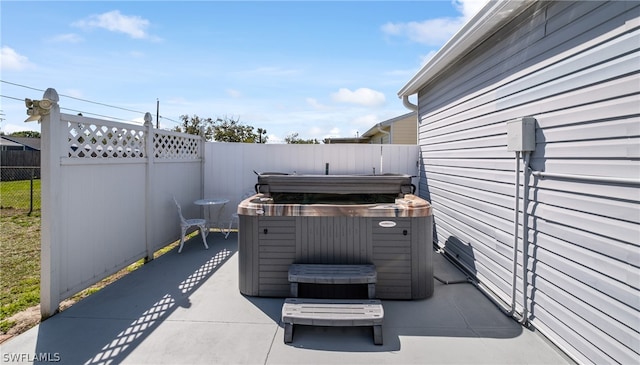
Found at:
(575, 68)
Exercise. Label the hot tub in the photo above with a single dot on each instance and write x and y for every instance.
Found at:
(336, 219)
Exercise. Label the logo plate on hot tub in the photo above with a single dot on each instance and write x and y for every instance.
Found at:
(387, 224)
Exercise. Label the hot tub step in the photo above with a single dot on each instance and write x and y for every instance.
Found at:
(332, 312)
(333, 274)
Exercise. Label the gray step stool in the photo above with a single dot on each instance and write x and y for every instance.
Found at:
(332, 312)
(333, 274)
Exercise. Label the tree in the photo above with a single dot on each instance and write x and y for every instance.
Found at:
(221, 130)
(231, 130)
(261, 132)
(293, 139)
(30, 134)
(192, 125)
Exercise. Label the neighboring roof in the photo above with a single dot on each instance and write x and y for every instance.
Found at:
(346, 140)
(364, 138)
(490, 18)
(374, 130)
(8, 143)
(31, 143)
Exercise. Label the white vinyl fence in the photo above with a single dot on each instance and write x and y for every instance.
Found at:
(107, 193)
(230, 168)
(107, 188)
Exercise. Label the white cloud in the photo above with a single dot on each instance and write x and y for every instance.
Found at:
(67, 38)
(314, 132)
(138, 120)
(234, 93)
(12, 60)
(315, 104)
(431, 32)
(426, 58)
(468, 8)
(114, 21)
(74, 93)
(435, 32)
(361, 96)
(367, 121)
(13, 128)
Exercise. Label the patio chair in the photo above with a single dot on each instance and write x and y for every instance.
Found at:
(185, 224)
(234, 216)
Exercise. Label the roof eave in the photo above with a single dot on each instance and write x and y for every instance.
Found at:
(387, 123)
(481, 26)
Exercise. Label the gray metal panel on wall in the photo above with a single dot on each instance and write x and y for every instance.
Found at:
(573, 66)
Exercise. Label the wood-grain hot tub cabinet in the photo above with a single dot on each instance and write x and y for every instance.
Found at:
(336, 219)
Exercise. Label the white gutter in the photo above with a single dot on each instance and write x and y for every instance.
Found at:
(476, 30)
(407, 104)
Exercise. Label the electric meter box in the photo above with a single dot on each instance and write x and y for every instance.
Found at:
(521, 134)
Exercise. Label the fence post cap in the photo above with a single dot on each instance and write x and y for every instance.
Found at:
(148, 119)
(52, 95)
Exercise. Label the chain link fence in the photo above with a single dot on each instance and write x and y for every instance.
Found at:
(20, 188)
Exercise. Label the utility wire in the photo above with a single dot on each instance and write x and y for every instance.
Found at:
(83, 100)
(11, 97)
(24, 86)
(75, 98)
(97, 115)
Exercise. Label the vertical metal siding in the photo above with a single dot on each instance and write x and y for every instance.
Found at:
(573, 66)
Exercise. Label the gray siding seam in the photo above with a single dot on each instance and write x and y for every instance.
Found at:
(604, 284)
(617, 310)
(492, 113)
(618, 273)
(587, 352)
(595, 316)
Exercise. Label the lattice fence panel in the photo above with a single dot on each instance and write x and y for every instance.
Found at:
(90, 140)
(171, 146)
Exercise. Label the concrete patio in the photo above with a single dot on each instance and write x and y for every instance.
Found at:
(186, 309)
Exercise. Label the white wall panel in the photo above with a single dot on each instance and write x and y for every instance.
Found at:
(229, 167)
(107, 197)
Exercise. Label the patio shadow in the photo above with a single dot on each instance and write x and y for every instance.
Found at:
(110, 324)
(454, 311)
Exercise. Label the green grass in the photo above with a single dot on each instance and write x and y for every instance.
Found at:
(19, 262)
(17, 194)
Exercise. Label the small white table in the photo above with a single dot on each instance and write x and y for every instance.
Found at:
(209, 206)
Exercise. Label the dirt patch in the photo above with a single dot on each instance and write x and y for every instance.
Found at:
(27, 319)
(24, 320)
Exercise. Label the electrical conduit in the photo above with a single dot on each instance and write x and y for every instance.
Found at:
(516, 216)
(525, 239)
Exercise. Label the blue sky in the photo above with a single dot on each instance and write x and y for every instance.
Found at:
(319, 69)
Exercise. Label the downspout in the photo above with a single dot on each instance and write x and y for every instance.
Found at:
(407, 104)
(384, 132)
